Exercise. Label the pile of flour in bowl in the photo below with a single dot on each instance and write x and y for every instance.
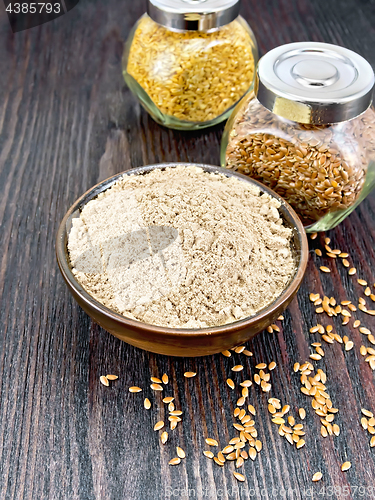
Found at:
(182, 248)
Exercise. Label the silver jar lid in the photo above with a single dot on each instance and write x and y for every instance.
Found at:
(311, 82)
(193, 15)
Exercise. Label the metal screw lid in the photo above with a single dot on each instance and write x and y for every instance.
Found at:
(311, 82)
(193, 15)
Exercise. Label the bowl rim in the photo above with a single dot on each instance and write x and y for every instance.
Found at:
(93, 192)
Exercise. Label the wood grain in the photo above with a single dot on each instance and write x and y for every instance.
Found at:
(68, 121)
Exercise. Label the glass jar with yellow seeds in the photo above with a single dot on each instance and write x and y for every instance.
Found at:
(190, 61)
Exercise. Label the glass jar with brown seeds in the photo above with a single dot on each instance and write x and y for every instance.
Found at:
(308, 131)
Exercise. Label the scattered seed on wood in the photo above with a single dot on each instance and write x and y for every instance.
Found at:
(239, 349)
(318, 252)
(168, 399)
(189, 374)
(247, 353)
(346, 466)
(317, 476)
(105, 382)
(175, 461)
(208, 454)
(239, 476)
(112, 377)
(180, 452)
(158, 425)
(212, 442)
(325, 269)
(352, 271)
(251, 409)
(156, 387)
(300, 443)
(237, 368)
(246, 383)
(164, 437)
(230, 383)
(315, 356)
(272, 365)
(147, 404)
(165, 379)
(135, 389)
(349, 345)
(368, 413)
(227, 354)
(156, 380)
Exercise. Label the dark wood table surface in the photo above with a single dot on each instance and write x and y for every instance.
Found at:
(67, 121)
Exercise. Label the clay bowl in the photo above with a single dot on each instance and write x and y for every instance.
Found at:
(174, 341)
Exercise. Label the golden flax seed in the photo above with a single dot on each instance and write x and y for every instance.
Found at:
(104, 381)
(135, 389)
(237, 368)
(239, 476)
(168, 399)
(175, 461)
(211, 442)
(156, 387)
(158, 425)
(317, 476)
(346, 466)
(230, 383)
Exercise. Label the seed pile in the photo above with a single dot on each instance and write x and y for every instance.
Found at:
(330, 307)
(314, 386)
(174, 416)
(317, 169)
(368, 424)
(287, 428)
(235, 449)
(193, 76)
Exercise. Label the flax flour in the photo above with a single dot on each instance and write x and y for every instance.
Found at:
(181, 247)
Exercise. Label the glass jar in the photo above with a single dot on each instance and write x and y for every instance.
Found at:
(190, 61)
(308, 131)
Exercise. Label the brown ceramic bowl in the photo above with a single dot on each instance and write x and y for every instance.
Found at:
(174, 341)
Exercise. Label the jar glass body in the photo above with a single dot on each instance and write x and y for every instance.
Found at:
(189, 79)
(323, 171)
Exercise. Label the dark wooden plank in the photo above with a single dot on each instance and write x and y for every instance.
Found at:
(68, 121)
